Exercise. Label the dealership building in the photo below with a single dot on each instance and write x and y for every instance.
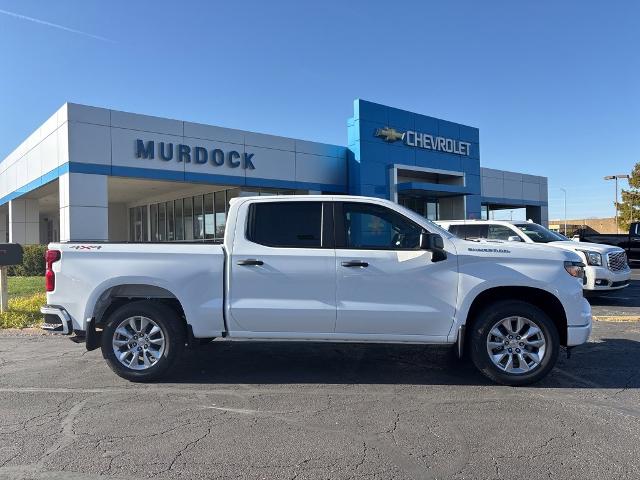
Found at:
(96, 174)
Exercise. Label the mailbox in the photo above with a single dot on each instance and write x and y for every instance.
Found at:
(10, 254)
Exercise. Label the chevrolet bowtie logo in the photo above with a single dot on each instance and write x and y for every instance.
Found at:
(389, 134)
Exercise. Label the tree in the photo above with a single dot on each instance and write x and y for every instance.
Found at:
(629, 207)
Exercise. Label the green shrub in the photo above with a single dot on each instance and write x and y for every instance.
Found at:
(23, 311)
(32, 262)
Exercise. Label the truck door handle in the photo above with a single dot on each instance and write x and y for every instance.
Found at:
(250, 261)
(355, 263)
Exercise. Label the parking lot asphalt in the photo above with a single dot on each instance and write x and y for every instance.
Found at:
(311, 411)
(625, 302)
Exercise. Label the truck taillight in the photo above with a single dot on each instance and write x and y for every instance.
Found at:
(50, 257)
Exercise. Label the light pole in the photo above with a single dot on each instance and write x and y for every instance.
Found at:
(565, 210)
(616, 177)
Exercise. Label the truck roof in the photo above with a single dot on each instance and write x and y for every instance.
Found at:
(485, 222)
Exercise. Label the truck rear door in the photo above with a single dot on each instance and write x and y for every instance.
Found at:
(282, 268)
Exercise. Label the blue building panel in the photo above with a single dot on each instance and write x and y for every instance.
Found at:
(426, 124)
(471, 166)
(400, 156)
(378, 191)
(448, 129)
(474, 183)
(474, 151)
(433, 188)
(469, 134)
(438, 161)
(375, 174)
(373, 112)
(401, 119)
(473, 206)
(381, 136)
(367, 131)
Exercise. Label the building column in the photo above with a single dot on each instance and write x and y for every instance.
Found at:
(544, 216)
(4, 233)
(24, 221)
(538, 215)
(84, 206)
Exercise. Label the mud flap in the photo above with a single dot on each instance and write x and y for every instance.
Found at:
(94, 337)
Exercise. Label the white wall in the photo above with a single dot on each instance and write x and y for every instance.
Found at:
(108, 138)
(512, 185)
(83, 207)
(43, 151)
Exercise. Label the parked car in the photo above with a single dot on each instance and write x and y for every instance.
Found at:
(606, 270)
(320, 268)
(629, 242)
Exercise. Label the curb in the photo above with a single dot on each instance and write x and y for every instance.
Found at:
(617, 318)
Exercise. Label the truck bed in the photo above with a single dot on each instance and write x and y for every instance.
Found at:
(90, 272)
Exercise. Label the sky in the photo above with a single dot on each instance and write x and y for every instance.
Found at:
(553, 86)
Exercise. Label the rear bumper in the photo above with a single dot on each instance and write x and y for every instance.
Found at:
(56, 320)
(579, 334)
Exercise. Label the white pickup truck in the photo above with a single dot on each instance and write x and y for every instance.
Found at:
(607, 268)
(321, 268)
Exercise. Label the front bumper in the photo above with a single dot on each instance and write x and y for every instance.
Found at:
(56, 320)
(603, 279)
(579, 334)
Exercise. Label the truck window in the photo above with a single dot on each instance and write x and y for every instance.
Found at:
(500, 232)
(469, 231)
(286, 224)
(374, 227)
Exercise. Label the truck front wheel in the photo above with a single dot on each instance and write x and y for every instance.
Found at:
(141, 340)
(514, 343)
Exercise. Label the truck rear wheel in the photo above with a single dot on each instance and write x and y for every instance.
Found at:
(142, 340)
(514, 343)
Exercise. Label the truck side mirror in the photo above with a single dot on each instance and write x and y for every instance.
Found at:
(434, 244)
(514, 238)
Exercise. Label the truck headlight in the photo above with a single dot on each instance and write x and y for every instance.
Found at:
(593, 258)
(575, 269)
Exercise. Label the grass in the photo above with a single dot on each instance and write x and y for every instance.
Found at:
(24, 286)
(26, 296)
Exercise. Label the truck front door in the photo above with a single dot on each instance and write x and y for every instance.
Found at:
(282, 274)
(385, 284)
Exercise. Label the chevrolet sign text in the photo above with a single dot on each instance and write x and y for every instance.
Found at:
(424, 140)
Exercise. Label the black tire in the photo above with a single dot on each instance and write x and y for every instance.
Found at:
(486, 320)
(171, 325)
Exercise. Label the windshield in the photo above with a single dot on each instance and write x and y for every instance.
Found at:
(539, 234)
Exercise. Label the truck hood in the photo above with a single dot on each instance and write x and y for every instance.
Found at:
(593, 247)
(500, 248)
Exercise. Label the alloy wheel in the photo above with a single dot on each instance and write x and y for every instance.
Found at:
(138, 342)
(516, 345)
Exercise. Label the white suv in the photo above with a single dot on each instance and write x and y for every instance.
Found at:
(607, 267)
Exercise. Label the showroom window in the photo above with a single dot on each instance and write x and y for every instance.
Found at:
(138, 224)
(197, 218)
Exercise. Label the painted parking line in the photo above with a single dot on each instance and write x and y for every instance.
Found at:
(617, 318)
